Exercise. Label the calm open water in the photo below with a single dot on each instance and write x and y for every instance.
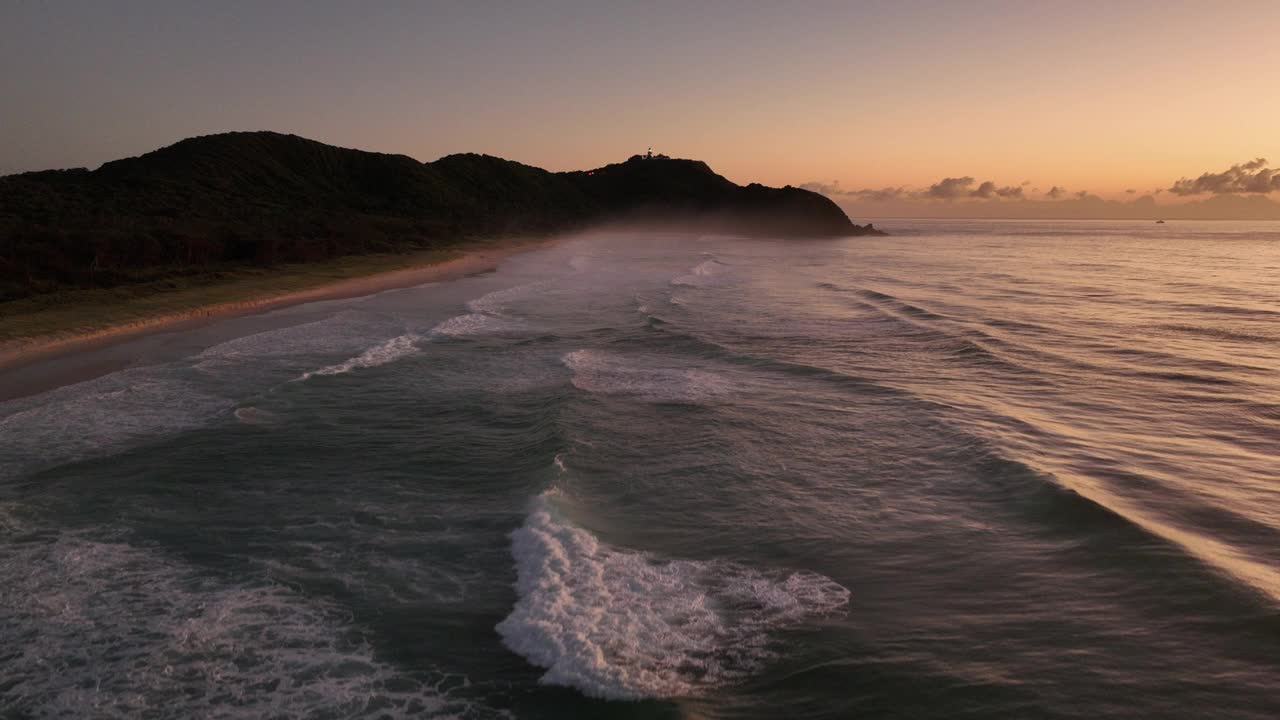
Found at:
(973, 470)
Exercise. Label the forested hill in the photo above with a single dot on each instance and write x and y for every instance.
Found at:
(261, 198)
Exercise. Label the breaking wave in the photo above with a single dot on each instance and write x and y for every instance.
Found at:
(623, 625)
(290, 347)
(381, 354)
(498, 301)
(472, 324)
(608, 373)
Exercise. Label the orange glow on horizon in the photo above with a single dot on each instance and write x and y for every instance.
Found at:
(1097, 98)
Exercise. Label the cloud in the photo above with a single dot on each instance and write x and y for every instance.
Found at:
(954, 188)
(988, 190)
(1253, 177)
(950, 188)
(876, 194)
(882, 194)
(832, 188)
(1250, 177)
(915, 203)
(985, 190)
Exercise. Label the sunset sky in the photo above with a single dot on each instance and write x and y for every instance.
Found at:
(1093, 97)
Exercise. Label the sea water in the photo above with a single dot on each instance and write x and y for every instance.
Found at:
(974, 469)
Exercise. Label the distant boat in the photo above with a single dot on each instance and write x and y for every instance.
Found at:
(1159, 222)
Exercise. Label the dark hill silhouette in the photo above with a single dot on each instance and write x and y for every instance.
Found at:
(688, 193)
(259, 198)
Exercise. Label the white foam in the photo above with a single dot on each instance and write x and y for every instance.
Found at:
(709, 267)
(651, 379)
(498, 301)
(702, 273)
(101, 417)
(104, 629)
(109, 414)
(348, 331)
(473, 324)
(120, 410)
(623, 625)
(381, 354)
(250, 415)
(490, 313)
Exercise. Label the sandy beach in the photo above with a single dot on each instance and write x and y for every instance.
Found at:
(62, 358)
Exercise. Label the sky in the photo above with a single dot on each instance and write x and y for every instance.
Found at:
(891, 108)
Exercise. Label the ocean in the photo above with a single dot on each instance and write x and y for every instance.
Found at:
(977, 469)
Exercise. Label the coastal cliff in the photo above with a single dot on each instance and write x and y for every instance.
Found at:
(262, 198)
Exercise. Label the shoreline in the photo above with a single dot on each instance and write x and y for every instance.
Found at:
(25, 353)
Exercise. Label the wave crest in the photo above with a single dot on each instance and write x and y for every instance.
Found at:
(380, 354)
(608, 373)
(471, 324)
(623, 625)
